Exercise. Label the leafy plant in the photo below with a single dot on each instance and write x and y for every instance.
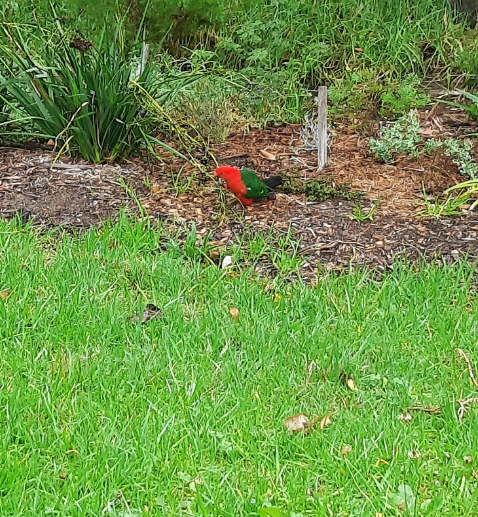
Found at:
(402, 137)
(460, 152)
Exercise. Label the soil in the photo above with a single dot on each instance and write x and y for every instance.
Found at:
(78, 195)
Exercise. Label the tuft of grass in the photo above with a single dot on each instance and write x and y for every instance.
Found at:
(359, 214)
(83, 99)
(211, 108)
(89, 97)
(468, 189)
(449, 204)
(184, 415)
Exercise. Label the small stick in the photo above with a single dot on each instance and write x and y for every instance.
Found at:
(322, 127)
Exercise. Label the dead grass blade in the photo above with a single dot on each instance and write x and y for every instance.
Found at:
(464, 406)
(464, 356)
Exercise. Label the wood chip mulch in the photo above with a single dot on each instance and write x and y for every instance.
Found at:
(79, 195)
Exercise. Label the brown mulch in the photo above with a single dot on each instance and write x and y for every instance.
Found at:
(80, 195)
(56, 193)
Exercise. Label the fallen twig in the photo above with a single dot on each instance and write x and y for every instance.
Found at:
(433, 410)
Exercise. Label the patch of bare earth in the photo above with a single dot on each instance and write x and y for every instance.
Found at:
(80, 195)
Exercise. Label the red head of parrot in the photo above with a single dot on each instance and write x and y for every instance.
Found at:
(232, 177)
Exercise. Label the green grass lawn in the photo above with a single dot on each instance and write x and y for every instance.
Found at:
(185, 415)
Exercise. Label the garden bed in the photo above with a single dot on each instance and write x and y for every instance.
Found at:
(79, 195)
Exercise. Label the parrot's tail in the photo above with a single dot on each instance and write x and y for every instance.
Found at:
(273, 182)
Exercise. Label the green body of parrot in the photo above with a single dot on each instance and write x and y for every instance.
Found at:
(246, 185)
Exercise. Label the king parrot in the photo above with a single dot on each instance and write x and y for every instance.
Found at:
(246, 185)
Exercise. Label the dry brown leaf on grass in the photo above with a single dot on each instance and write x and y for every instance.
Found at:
(466, 403)
(297, 422)
(234, 313)
(5, 294)
(326, 421)
(345, 450)
(351, 384)
(464, 406)
(405, 418)
(301, 423)
(414, 455)
(267, 155)
(432, 410)
(149, 312)
(347, 380)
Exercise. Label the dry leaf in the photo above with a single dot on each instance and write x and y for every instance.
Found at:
(380, 461)
(5, 294)
(345, 450)
(358, 49)
(214, 255)
(351, 384)
(62, 475)
(326, 421)
(346, 379)
(226, 262)
(297, 422)
(414, 455)
(267, 155)
(406, 418)
(234, 313)
(467, 459)
(150, 312)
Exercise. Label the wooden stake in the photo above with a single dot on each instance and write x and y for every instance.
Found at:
(322, 127)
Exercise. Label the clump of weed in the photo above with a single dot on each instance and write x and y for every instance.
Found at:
(293, 183)
(448, 204)
(321, 190)
(316, 190)
(402, 98)
(211, 108)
